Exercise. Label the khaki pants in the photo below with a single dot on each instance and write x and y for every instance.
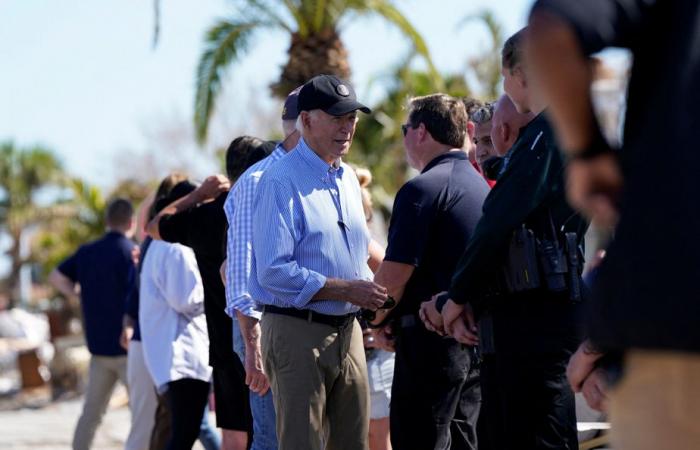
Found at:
(142, 399)
(318, 377)
(657, 403)
(102, 377)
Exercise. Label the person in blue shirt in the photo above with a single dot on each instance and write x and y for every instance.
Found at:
(310, 252)
(104, 271)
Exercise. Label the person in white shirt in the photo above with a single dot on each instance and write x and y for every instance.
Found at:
(174, 331)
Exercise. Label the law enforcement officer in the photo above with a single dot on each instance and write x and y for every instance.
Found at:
(520, 275)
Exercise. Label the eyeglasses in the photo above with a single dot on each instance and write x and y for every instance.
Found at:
(404, 128)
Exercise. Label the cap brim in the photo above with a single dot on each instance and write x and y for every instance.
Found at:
(344, 107)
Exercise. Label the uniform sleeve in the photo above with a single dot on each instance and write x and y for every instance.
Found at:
(528, 181)
(409, 226)
(274, 240)
(69, 267)
(601, 23)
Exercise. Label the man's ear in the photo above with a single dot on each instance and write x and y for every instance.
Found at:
(471, 129)
(505, 132)
(520, 77)
(305, 119)
(422, 133)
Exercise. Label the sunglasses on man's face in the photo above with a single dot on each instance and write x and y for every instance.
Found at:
(404, 128)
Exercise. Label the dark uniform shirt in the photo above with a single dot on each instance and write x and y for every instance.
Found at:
(434, 216)
(529, 191)
(203, 228)
(105, 271)
(647, 293)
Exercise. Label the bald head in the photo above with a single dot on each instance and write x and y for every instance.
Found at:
(506, 124)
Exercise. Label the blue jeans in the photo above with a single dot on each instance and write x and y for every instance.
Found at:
(262, 408)
(208, 437)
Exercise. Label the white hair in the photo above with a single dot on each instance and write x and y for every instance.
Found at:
(300, 124)
(288, 127)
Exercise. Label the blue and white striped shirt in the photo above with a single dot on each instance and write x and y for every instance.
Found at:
(239, 247)
(308, 225)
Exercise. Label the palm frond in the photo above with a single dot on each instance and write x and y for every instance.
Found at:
(297, 11)
(269, 13)
(224, 42)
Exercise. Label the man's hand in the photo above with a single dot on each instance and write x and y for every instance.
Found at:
(459, 323)
(255, 376)
(384, 338)
(581, 364)
(595, 389)
(125, 337)
(211, 187)
(593, 187)
(365, 294)
(430, 316)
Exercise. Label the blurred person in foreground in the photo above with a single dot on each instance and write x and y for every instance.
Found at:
(435, 394)
(520, 276)
(197, 220)
(104, 272)
(240, 305)
(646, 296)
(311, 247)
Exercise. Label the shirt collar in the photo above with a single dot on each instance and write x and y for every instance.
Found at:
(445, 157)
(279, 151)
(316, 163)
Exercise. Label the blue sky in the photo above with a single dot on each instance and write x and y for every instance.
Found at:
(83, 79)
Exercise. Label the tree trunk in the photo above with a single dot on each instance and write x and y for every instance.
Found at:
(316, 54)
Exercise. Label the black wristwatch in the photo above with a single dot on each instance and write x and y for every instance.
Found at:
(440, 301)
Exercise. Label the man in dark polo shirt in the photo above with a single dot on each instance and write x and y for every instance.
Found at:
(198, 221)
(529, 325)
(646, 296)
(435, 396)
(104, 270)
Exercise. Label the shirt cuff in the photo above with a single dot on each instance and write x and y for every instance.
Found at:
(314, 283)
(245, 305)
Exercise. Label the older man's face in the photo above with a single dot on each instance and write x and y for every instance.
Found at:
(331, 135)
(482, 141)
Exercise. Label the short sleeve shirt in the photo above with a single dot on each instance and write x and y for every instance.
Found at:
(433, 218)
(105, 271)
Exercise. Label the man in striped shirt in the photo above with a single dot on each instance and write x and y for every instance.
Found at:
(239, 303)
(310, 245)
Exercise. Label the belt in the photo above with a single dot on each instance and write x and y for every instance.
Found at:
(312, 316)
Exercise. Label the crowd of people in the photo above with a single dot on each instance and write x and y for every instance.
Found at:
(474, 327)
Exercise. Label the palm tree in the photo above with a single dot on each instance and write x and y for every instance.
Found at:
(315, 47)
(23, 173)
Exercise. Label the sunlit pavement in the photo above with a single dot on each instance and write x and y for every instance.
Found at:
(51, 427)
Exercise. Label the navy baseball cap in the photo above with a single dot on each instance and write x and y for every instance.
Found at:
(329, 94)
(290, 110)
